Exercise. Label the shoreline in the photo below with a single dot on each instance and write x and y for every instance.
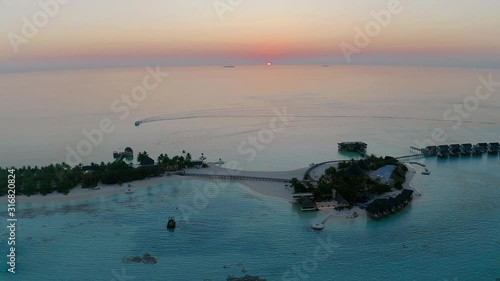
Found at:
(271, 189)
(276, 190)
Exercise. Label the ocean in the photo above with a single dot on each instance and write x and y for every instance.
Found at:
(259, 118)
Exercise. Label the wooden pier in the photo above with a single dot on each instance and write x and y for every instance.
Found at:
(235, 177)
(410, 157)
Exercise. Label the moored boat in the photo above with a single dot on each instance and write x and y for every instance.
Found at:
(171, 223)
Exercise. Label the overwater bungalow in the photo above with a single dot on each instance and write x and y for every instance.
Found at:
(493, 147)
(353, 146)
(430, 150)
(481, 148)
(455, 150)
(443, 151)
(466, 149)
(477, 150)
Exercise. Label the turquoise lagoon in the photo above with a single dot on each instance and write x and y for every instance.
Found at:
(451, 232)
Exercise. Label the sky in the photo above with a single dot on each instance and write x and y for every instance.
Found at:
(74, 34)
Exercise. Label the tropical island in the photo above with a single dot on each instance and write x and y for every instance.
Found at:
(62, 178)
(363, 183)
(356, 182)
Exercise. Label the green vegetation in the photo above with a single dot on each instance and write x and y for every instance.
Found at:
(351, 180)
(62, 178)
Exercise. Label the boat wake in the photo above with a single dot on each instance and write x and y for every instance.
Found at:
(268, 113)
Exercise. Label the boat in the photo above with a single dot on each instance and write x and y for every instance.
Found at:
(171, 223)
(129, 189)
(318, 226)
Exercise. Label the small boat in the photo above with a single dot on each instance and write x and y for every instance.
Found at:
(129, 189)
(171, 223)
(318, 226)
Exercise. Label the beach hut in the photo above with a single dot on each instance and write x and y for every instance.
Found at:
(341, 202)
(354, 170)
(147, 161)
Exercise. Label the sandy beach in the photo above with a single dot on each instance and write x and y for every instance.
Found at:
(273, 189)
(263, 188)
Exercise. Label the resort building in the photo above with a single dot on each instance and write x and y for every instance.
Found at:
(341, 202)
(147, 161)
(306, 204)
(383, 207)
(297, 196)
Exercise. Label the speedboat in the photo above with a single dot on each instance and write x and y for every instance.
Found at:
(171, 223)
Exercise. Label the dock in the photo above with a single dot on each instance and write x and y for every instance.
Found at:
(235, 177)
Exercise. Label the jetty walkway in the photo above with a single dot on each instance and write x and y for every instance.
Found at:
(235, 177)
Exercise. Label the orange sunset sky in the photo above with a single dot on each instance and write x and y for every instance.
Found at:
(114, 33)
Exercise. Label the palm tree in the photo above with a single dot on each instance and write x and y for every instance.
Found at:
(141, 156)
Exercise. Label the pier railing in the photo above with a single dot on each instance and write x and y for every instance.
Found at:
(410, 157)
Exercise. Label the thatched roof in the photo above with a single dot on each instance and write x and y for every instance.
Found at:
(354, 170)
(306, 203)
